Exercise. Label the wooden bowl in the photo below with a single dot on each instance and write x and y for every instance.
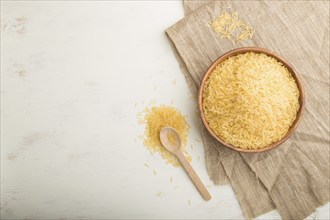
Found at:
(294, 75)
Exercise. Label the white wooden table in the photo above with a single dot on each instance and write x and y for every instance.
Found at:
(71, 73)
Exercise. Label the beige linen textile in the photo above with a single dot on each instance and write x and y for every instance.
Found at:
(294, 176)
(192, 5)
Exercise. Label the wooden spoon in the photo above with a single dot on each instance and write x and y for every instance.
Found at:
(174, 146)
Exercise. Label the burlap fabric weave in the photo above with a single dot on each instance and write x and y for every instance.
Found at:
(293, 178)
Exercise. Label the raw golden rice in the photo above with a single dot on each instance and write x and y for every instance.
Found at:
(250, 100)
(156, 118)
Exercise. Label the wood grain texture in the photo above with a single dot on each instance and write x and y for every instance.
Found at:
(174, 147)
(68, 148)
(193, 176)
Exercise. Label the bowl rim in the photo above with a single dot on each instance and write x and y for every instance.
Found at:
(277, 57)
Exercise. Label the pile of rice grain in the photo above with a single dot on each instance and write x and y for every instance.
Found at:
(250, 100)
(232, 27)
(157, 117)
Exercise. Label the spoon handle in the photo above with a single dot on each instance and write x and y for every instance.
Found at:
(193, 176)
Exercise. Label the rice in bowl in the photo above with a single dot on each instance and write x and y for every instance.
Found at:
(250, 100)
